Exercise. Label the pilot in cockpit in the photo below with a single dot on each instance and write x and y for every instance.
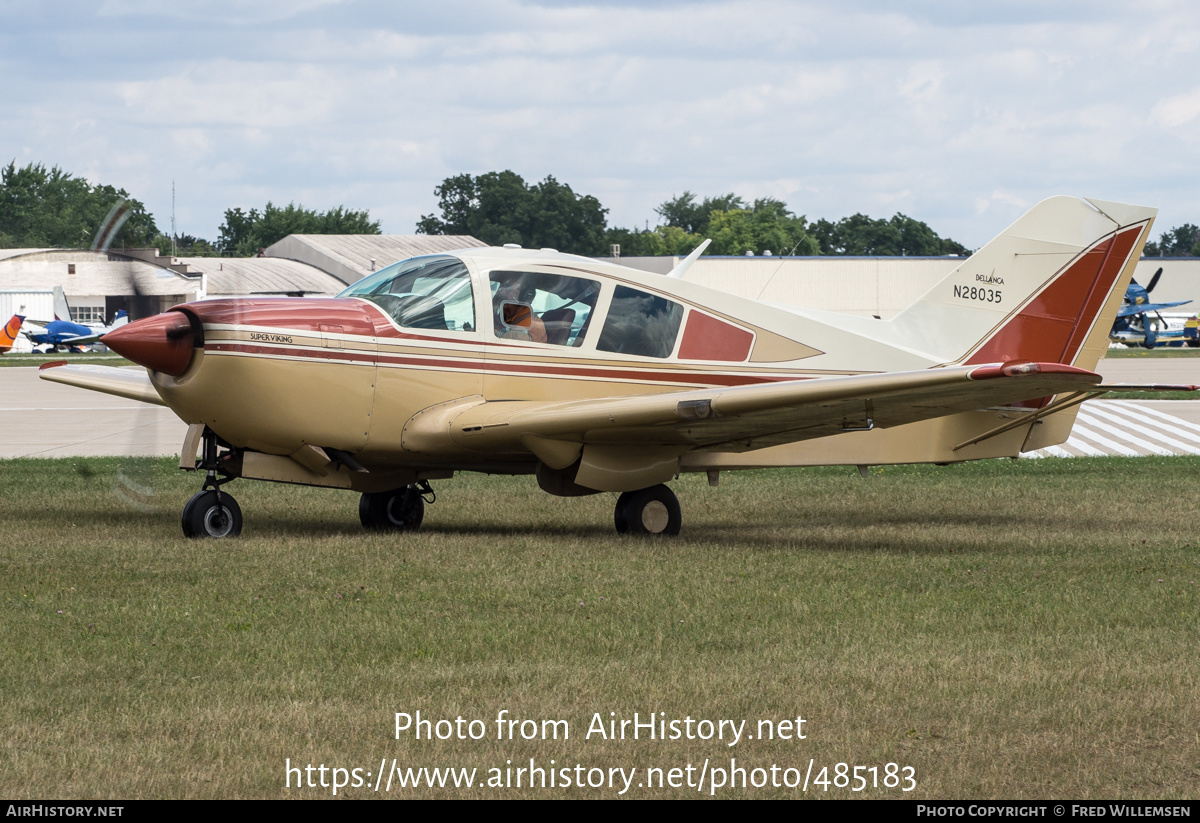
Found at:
(517, 320)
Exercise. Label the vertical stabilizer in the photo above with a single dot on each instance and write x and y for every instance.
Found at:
(61, 310)
(8, 335)
(1046, 290)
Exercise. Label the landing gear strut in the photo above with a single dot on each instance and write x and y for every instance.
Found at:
(397, 510)
(648, 511)
(211, 512)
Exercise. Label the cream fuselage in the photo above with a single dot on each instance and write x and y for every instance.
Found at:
(277, 374)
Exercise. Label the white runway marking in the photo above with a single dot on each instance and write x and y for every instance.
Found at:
(1126, 428)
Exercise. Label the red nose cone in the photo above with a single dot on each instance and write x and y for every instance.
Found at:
(162, 343)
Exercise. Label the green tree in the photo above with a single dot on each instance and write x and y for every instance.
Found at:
(244, 233)
(767, 226)
(42, 207)
(732, 225)
(683, 211)
(499, 208)
(901, 235)
(185, 245)
(1181, 241)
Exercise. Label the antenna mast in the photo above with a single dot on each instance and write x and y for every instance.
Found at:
(172, 217)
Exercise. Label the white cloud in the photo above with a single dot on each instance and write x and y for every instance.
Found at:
(1176, 111)
(949, 112)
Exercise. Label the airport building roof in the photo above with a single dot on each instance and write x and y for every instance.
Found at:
(84, 272)
(225, 276)
(351, 257)
(298, 264)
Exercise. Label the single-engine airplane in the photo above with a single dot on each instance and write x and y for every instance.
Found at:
(63, 333)
(599, 378)
(1142, 323)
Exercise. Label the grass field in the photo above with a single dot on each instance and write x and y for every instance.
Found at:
(1006, 630)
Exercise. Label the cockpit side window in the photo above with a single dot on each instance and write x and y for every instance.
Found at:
(542, 308)
(423, 293)
(640, 323)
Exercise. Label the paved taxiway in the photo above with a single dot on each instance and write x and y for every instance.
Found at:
(43, 419)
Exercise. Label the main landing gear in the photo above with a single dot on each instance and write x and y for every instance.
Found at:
(397, 510)
(211, 512)
(648, 511)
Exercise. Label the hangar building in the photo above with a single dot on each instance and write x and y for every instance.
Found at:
(142, 281)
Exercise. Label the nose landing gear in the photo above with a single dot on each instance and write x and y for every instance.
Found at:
(211, 512)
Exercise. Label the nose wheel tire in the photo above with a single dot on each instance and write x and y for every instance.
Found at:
(648, 511)
(397, 510)
(210, 515)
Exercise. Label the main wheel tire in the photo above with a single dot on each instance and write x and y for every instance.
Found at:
(653, 511)
(397, 510)
(208, 514)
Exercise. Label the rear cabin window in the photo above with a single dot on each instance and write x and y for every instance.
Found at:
(640, 323)
(542, 308)
(422, 293)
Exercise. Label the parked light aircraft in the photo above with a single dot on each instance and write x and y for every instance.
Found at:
(8, 335)
(62, 333)
(599, 378)
(1142, 323)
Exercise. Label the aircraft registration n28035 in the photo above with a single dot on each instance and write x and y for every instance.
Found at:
(599, 378)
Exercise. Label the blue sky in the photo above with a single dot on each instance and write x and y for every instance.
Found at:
(959, 116)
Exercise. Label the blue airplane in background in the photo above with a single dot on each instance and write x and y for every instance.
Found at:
(1140, 322)
(61, 332)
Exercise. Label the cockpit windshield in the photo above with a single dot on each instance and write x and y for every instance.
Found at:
(431, 292)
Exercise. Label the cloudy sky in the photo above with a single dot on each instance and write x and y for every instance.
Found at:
(959, 114)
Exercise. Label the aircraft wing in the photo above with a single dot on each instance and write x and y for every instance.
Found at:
(133, 384)
(80, 340)
(1132, 309)
(742, 418)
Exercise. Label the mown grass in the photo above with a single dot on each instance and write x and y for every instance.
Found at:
(1008, 630)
